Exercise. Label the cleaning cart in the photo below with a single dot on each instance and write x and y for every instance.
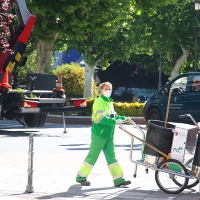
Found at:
(172, 150)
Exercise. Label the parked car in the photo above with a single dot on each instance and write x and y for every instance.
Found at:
(142, 99)
(185, 99)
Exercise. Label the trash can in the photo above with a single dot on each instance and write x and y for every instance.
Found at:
(42, 81)
(159, 137)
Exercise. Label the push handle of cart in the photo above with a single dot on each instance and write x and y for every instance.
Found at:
(190, 116)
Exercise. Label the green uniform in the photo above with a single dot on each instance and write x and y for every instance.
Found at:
(103, 126)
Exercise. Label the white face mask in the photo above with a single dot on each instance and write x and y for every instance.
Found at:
(107, 93)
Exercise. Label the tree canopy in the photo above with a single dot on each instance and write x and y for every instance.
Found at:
(98, 29)
(153, 4)
(169, 30)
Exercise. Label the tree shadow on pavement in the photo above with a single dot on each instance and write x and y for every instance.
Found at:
(76, 192)
(78, 147)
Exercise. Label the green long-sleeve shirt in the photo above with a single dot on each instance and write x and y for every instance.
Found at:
(104, 117)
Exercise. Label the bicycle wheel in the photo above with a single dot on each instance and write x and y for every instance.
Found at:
(192, 181)
(165, 180)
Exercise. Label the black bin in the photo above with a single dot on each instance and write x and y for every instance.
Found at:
(159, 137)
(42, 81)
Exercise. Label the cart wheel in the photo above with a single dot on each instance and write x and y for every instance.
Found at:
(192, 182)
(165, 180)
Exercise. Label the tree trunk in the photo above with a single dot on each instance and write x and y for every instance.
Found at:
(43, 56)
(89, 80)
(179, 62)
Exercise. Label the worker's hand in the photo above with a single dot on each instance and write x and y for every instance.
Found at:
(127, 118)
(119, 121)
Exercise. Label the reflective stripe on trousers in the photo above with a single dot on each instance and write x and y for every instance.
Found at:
(85, 170)
(116, 171)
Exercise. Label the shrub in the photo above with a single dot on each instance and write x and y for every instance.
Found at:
(129, 109)
(73, 76)
(72, 79)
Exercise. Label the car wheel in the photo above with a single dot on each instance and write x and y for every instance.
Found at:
(153, 114)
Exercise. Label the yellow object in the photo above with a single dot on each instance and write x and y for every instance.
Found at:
(18, 57)
(10, 66)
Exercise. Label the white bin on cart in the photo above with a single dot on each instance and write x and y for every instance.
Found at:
(184, 142)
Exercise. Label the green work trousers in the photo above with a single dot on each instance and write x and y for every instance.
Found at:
(107, 145)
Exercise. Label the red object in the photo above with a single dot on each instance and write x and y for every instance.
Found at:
(3, 59)
(4, 84)
(29, 104)
(80, 103)
(27, 30)
(59, 86)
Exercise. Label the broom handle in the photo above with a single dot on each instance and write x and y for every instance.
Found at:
(168, 104)
(154, 148)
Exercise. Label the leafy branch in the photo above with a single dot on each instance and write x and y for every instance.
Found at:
(5, 22)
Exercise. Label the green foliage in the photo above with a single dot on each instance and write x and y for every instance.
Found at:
(153, 4)
(29, 67)
(72, 79)
(164, 30)
(20, 91)
(129, 109)
(98, 29)
(73, 76)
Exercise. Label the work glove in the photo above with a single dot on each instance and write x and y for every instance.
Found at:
(119, 121)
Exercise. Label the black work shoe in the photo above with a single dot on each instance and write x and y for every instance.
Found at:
(84, 183)
(123, 184)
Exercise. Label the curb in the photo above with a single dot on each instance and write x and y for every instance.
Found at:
(83, 119)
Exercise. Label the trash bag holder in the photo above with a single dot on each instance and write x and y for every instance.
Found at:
(161, 138)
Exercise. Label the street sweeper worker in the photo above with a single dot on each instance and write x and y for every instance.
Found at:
(104, 119)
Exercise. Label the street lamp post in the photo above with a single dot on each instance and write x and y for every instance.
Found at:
(197, 8)
(160, 70)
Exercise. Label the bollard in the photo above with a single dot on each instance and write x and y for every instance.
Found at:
(29, 187)
(64, 123)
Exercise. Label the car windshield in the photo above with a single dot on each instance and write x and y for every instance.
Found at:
(181, 82)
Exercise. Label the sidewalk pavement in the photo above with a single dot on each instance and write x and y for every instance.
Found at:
(58, 157)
